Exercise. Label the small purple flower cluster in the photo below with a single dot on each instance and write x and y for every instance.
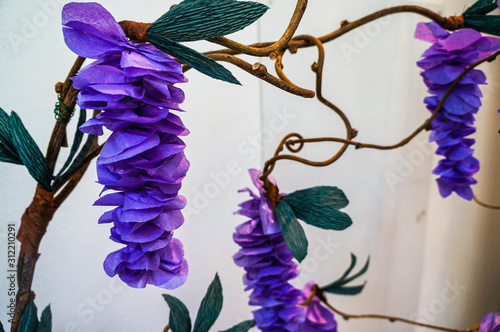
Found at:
(442, 63)
(142, 162)
(269, 267)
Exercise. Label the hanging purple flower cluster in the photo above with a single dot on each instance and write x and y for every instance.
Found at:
(444, 61)
(269, 267)
(142, 162)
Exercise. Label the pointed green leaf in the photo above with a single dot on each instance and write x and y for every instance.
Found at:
(1, 327)
(61, 178)
(8, 152)
(242, 327)
(293, 232)
(194, 20)
(179, 319)
(29, 152)
(77, 140)
(319, 206)
(483, 23)
(338, 286)
(210, 307)
(194, 59)
(350, 291)
(481, 7)
(328, 196)
(29, 320)
(7, 157)
(45, 321)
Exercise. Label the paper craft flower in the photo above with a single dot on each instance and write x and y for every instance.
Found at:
(142, 162)
(318, 318)
(490, 323)
(268, 264)
(443, 62)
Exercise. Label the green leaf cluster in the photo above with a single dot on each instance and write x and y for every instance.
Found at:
(210, 308)
(319, 207)
(193, 20)
(475, 17)
(18, 147)
(29, 320)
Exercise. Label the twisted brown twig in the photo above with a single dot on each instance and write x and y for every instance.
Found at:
(316, 291)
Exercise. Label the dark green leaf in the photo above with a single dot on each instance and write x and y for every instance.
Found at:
(76, 163)
(483, 23)
(29, 152)
(77, 140)
(45, 321)
(194, 20)
(319, 206)
(29, 320)
(7, 157)
(293, 232)
(351, 291)
(8, 152)
(1, 327)
(338, 286)
(481, 7)
(242, 327)
(328, 196)
(179, 320)
(210, 307)
(192, 58)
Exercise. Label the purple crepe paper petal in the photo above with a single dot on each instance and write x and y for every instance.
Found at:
(449, 56)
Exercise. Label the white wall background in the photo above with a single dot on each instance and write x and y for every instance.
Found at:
(432, 259)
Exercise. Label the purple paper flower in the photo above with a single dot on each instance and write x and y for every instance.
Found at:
(268, 264)
(444, 61)
(142, 162)
(318, 318)
(490, 323)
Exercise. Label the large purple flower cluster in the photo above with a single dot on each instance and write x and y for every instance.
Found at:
(443, 62)
(142, 162)
(269, 267)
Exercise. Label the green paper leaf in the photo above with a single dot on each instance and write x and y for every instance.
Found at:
(45, 321)
(179, 319)
(29, 320)
(481, 7)
(483, 23)
(76, 163)
(1, 327)
(338, 286)
(242, 327)
(77, 140)
(29, 152)
(192, 58)
(293, 232)
(7, 157)
(319, 206)
(8, 152)
(210, 307)
(194, 20)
